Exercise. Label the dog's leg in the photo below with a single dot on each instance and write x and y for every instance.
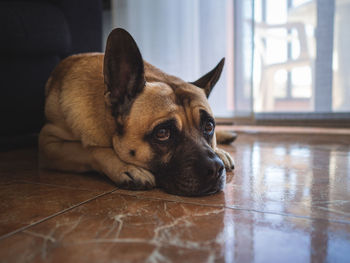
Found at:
(58, 151)
(225, 137)
(125, 175)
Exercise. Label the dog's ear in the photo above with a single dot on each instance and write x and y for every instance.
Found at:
(208, 81)
(123, 70)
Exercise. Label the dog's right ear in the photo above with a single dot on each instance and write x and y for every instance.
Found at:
(123, 71)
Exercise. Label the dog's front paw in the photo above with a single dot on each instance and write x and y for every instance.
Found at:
(135, 178)
(226, 158)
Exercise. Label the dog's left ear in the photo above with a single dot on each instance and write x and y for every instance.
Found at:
(208, 81)
(123, 71)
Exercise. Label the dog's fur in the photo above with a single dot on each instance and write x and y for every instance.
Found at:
(119, 115)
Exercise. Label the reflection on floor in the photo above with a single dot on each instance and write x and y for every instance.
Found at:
(287, 201)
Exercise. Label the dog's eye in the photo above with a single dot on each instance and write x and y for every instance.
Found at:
(209, 128)
(162, 134)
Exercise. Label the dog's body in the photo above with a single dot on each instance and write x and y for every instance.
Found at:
(123, 117)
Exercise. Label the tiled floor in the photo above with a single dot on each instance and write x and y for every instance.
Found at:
(288, 201)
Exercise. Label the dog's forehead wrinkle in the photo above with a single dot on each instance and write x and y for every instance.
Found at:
(151, 113)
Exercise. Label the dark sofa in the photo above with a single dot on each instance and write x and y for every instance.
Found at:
(35, 36)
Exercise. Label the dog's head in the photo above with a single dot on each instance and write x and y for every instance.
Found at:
(163, 124)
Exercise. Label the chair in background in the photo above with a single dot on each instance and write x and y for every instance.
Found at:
(265, 96)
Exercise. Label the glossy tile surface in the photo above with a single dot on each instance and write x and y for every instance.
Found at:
(287, 201)
(29, 195)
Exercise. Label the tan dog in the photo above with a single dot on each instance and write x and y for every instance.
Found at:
(119, 115)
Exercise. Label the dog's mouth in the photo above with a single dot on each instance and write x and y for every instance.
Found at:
(218, 186)
(193, 186)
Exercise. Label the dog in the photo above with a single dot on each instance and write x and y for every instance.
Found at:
(116, 114)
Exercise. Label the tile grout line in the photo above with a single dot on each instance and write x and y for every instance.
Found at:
(54, 215)
(55, 185)
(241, 209)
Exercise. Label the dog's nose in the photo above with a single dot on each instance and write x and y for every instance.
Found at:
(215, 167)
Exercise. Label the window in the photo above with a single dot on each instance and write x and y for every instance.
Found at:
(301, 63)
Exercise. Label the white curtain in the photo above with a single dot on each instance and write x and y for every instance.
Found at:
(186, 38)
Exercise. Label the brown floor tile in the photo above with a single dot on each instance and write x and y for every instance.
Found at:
(29, 195)
(22, 166)
(122, 228)
(23, 204)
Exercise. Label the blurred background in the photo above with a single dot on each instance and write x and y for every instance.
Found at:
(287, 61)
